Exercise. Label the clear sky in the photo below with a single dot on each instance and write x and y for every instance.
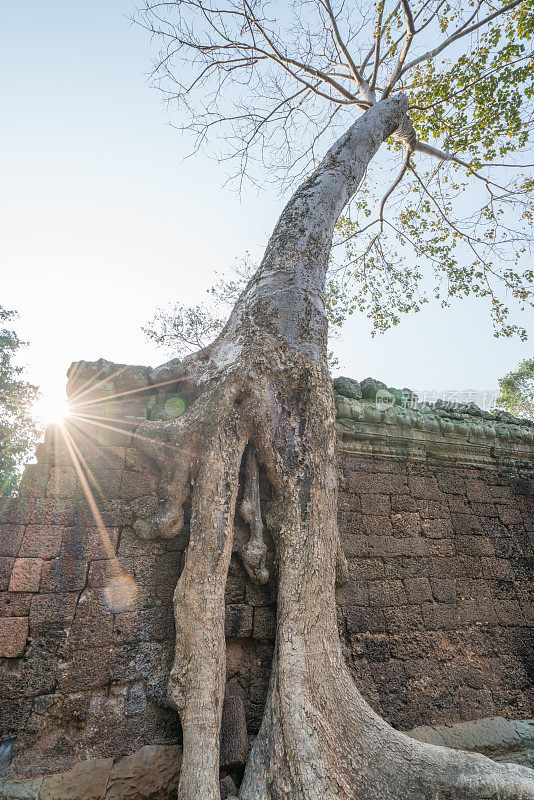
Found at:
(102, 220)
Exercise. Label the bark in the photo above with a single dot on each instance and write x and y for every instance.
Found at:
(263, 393)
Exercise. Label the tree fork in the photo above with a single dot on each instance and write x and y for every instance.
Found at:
(264, 385)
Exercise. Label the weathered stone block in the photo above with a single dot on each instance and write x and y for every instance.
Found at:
(13, 635)
(34, 481)
(376, 504)
(10, 539)
(86, 668)
(436, 528)
(234, 737)
(264, 623)
(104, 458)
(439, 616)
(386, 593)
(52, 609)
(20, 790)
(6, 565)
(444, 590)
(153, 624)
(14, 510)
(365, 619)
(404, 618)
(509, 515)
(91, 628)
(406, 523)
(26, 575)
(475, 611)
(417, 590)
(465, 524)
(376, 526)
(474, 546)
(63, 482)
(403, 502)
(152, 772)
(41, 541)
(51, 511)
(238, 620)
(85, 781)
(15, 604)
(63, 574)
(423, 487)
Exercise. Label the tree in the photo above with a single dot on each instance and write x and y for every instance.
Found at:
(19, 430)
(517, 390)
(261, 393)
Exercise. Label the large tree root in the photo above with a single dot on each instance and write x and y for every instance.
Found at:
(319, 739)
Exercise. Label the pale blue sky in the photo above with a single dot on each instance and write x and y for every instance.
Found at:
(102, 221)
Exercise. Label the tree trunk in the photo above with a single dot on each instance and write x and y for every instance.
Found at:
(263, 389)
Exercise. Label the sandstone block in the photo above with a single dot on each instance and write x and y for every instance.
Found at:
(6, 565)
(63, 482)
(21, 790)
(444, 590)
(238, 620)
(52, 609)
(386, 593)
(234, 737)
(417, 590)
(41, 541)
(85, 781)
(152, 772)
(34, 481)
(264, 623)
(13, 635)
(51, 511)
(63, 574)
(15, 604)
(26, 575)
(10, 539)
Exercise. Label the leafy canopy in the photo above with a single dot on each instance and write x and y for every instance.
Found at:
(19, 430)
(517, 390)
(446, 210)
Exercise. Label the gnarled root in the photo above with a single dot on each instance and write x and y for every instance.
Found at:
(254, 551)
(197, 679)
(319, 740)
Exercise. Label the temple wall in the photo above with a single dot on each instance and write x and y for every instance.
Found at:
(436, 619)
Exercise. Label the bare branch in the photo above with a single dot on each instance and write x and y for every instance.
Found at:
(410, 32)
(362, 84)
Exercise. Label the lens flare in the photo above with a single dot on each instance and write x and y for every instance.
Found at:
(52, 409)
(120, 593)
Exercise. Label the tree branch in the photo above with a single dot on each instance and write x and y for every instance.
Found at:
(459, 34)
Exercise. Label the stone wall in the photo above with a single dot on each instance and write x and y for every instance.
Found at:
(435, 513)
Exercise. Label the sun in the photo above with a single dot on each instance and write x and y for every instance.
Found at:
(52, 409)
